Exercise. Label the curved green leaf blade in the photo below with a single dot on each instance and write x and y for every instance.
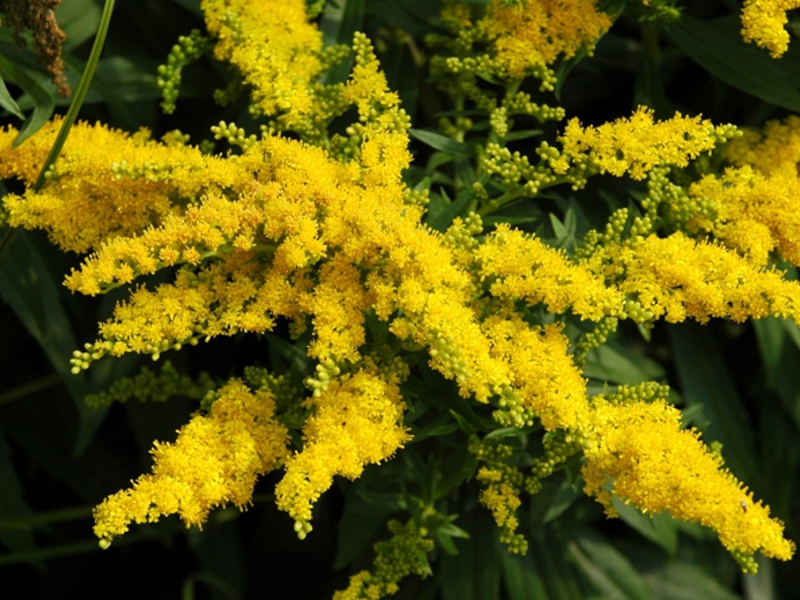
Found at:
(43, 101)
(7, 102)
(719, 48)
(705, 380)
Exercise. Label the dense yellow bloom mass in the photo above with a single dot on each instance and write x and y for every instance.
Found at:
(215, 460)
(358, 420)
(276, 49)
(535, 33)
(321, 233)
(764, 22)
(754, 213)
(523, 267)
(639, 452)
(677, 278)
(106, 183)
(637, 144)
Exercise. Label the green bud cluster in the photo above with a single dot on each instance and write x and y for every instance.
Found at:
(646, 391)
(595, 338)
(155, 387)
(144, 170)
(287, 393)
(498, 120)
(235, 135)
(637, 313)
(324, 372)
(461, 234)
(315, 7)
(559, 447)
(82, 360)
(302, 529)
(613, 233)
(455, 128)
(417, 197)
(576, 169)
(512, 411)
(665, 11)
(745, 560)
(403, 554)
(520, 103)
(669, 202)
(189, 49)
(232, 90)
(513, 167)
(175, 138)
(445, 353)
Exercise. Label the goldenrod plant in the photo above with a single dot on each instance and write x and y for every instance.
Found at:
(441, 291)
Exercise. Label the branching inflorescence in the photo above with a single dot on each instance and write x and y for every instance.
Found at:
(324, 233)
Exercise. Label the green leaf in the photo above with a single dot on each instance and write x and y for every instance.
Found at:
(521, 578)
(684, 581)
(522, 134)
(474, 573)
(719, 48)
(78, 20)
(7, 102)
(437, 141)
(704, 379)
(566, 495)
(607, 568)
(338, 25)
(43, 101)
(761, 586)
(13, 505)
(559, 230)
(610, 364)
(659, 528)
(781, 355)
(442, 216)
(360, 525)
(30, 289)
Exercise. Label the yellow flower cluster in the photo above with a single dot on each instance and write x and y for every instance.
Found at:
(358, 420)
(532, 34)
(325, 236)
(678, 278)
(502, 483)
(275, 48)
(639, 452)
(637, 144)
(215, 460)
(764, 22)
(755, 201)
(106, 184)
(523, 39)
(523, 267)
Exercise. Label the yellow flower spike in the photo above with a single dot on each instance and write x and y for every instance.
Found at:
(755, 214)
(215, 461)
(764, 23)
(338, 304)
(523, 267)
(107, 184)
(358, 421)
(676, 278)
(546, 382)
(637, 144)
(641, 451)
(276, 49)
(537, 32)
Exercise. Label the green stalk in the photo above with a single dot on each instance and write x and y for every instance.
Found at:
(72, 113)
